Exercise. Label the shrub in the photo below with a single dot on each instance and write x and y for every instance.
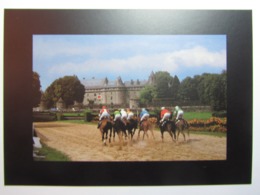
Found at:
(220, 114)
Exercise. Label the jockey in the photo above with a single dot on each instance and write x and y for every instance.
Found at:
(104, 113)
(165, 114)
(178, 112)
(117, 115)
(123, 115)
(143, 114)
(130, 114)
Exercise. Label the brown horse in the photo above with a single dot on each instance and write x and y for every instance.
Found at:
(181, 127)
(145, 126)
(104, 127)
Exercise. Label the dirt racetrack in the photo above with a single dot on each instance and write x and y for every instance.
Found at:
(82, 142)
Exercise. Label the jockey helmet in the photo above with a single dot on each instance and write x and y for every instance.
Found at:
(104, 107)
(162, 108)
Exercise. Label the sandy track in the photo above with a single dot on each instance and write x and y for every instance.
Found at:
(82, 142)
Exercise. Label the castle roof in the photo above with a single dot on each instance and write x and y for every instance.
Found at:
(105, 83)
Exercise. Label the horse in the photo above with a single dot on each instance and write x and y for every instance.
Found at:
(181, 126)
(170, 127)
(145, 126)
(104, 127)
(119, 128)
(131, 127)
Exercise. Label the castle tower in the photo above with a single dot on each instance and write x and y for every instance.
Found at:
(151, 80)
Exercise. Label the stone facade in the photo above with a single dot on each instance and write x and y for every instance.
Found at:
(114, 93)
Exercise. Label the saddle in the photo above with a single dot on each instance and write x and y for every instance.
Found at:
(185, 122)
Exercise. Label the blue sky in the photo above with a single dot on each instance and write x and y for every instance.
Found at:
(129, 56)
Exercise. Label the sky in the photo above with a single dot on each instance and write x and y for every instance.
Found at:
(128, 56)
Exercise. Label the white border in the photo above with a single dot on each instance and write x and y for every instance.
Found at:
(254, 188)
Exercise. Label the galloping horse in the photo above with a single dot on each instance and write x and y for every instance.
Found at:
(145, 126)
(104, 127)
(119, 128)
(170, 127)
(131, 126)
(181, 126)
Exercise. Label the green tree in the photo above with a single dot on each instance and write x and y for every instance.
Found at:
(163, 84)
(218, 92)
(36, 89)
(147, 94)
(188, 90)
(68, 88)
(212, 90)
(174, 85)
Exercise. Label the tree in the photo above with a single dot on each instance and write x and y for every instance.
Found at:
(188, 90)
(147, 94)
(68, 88)
(163, 84)
(211, 90)
(218, 92)
(36, 89)
(174, 87)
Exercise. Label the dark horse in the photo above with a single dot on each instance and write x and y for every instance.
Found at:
(170, 127)
(131, 126)
(120, 128)
(104, 127)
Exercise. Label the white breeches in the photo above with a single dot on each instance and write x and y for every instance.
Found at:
(180, 114)
(166, 116)
(103, 115)
(123, 115)
(130, 115)
(145, 115)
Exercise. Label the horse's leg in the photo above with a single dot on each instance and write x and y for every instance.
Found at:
(188, 132)
(138, 134)
(134, 132)
(113, 131)
(130, 132)
(162, 134)
(105, 138)
(120, 136)
(152, 133)
(110, 134)
(171, 134)
(178, 133)
(183, 134)
(147, 133)
(174, 134)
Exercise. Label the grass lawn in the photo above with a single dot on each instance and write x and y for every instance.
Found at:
(51, 154)
(197, 115)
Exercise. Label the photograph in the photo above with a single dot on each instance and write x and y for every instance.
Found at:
(110, 81)
(127, 97)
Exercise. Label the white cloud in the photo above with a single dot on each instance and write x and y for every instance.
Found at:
(199, 56)
(195, 57)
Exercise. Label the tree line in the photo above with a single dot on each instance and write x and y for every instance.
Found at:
(206, 89)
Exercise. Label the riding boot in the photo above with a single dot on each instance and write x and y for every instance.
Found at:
(163, 123)
(140, 124)
(99, 123)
